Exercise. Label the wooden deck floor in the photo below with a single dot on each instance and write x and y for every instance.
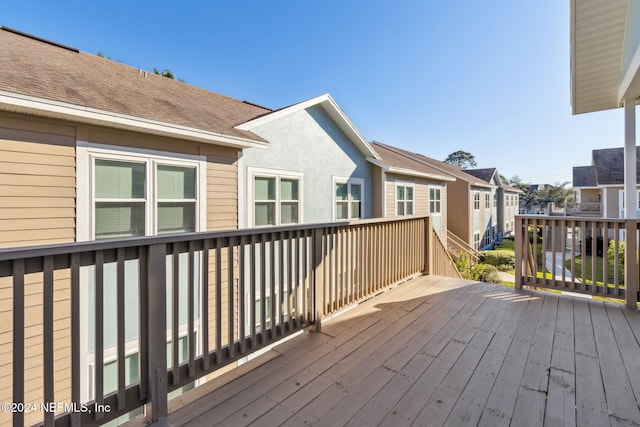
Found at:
(439, 351)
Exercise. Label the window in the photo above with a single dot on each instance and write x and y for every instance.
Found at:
(139, 195)
(476, 200)
(476, 240)
(348, 198)
(435, 200)
(404, 200)
(487, 200)
(495, 199)
(276, 199)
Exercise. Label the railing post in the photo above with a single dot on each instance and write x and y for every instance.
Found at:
(157, 331)
(519, 244)
(630, 264)
(428, 247)
(318, 279)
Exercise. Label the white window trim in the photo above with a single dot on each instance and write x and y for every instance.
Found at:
(406, 184)
(86, 154)
(252, 173)
(349, 181)
(439, 200)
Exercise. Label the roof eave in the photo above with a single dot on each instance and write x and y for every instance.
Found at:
(408, 172)
(331, 108)
(25, 104)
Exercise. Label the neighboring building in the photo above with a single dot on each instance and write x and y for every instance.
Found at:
(599, 188)
(505, 200)
(470, 203)
(405, 186)
(94, 149)
(315, 169)
(606, 75)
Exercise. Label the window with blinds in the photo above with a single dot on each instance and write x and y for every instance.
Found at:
(120, 199)
(137, 198)
(276, 200)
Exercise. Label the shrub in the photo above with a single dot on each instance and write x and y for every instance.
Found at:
(502, 259)
(490, 274)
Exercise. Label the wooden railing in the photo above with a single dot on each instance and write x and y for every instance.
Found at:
(591, 256)
(457, 245)
(196, 302)
(443, 264)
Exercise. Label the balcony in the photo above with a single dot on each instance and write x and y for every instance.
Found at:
(368, 330)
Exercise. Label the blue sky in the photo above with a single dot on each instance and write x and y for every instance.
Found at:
(491, 78)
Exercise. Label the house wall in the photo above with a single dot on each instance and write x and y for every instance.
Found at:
(310, 143)
(377, 194)
(421, 199)
(37, 182)
(459, 210)
(38, 205)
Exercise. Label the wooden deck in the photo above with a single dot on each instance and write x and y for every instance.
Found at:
(438, 351)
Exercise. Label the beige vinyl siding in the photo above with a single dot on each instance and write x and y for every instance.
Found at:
(37, 183)
(38, 206)
(377, 195)
(420, 193)
(222, 187)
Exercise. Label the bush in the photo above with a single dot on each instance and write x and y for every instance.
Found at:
(502, 259)
(490, 274)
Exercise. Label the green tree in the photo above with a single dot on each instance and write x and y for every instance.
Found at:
(557, 194)
(461, 158)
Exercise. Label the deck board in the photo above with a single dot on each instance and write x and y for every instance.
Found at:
(439, 351)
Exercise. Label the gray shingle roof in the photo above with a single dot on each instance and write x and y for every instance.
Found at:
(584, 176)
(43, 70)
(484, 174)
(607, 168)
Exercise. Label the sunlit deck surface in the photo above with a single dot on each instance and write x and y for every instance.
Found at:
(438, 351)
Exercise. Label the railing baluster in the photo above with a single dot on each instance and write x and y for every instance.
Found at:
(230, 300)
(290, 279)
(272, 286)
(143, 319)
(281, 270)
(218, 301)
(18, 339)
(204, 313)
(75, 337)
(263, 289)
(252, 290)
(191, 311)
(120, 322)
(99, 333)
(47, 339)
(175, 315)
(242, 312)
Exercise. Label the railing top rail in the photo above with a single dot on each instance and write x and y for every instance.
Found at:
(574, 218)
(7, 254)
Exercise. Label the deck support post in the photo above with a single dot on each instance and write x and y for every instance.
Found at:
(520, 251)
(631, 204)
(630, 264)
(428, 246)
(157, 332)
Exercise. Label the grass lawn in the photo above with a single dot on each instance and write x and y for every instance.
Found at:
(587, 260)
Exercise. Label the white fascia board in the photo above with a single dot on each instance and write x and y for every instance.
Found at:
(19, 103)
(331, 108)
(631, 81)
(408, 172)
